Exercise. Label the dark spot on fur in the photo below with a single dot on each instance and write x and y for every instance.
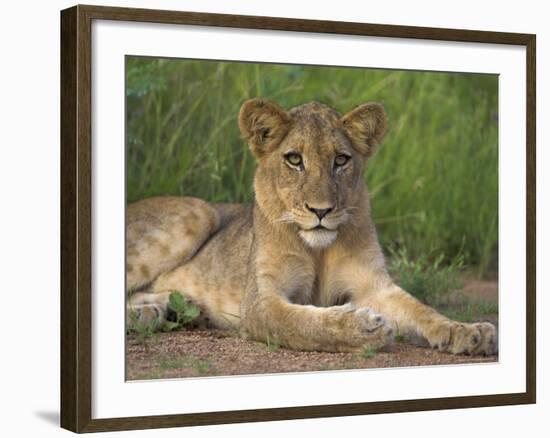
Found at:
(164, 250)
(144, 270)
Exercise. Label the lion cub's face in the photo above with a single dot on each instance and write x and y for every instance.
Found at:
(310, 163)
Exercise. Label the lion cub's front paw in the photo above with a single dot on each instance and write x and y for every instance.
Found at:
(460, 338)
(371, 322)
(373, 329)
(351, 329)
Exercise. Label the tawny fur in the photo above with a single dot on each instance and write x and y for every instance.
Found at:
(268, 269)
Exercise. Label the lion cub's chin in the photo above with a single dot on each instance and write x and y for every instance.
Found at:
(318, 238)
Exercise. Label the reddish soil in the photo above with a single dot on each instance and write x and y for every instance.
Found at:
(476, 290)
(196, 353)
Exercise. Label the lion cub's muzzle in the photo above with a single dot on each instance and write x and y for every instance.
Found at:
(319, 212)
(326, 218)
(319, 226)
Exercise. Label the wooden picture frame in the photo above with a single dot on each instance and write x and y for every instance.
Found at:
(76, 217)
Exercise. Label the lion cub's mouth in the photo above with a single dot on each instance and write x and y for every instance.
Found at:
(318, 237)
(319, 227)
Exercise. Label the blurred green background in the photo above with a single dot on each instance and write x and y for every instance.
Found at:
(434, 181)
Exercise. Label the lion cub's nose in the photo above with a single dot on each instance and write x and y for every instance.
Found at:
(320, 212)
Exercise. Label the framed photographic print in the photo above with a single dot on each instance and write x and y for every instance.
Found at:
(304, 218)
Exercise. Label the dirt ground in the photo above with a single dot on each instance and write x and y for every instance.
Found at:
(195, 353)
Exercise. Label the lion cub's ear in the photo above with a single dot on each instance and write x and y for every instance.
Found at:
(263, 124)
(365, 126)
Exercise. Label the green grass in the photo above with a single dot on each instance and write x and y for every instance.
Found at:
(368, 353)
(201, 366)
(426, 277)
(142, 331)
(151, 375)
(168, 362)
(433, 283)
(399, 338)
(469, 311)
(272, 344)
(433, 183)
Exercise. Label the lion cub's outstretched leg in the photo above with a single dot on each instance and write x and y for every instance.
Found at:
(413, 318)
(305, 327)
(162, 233)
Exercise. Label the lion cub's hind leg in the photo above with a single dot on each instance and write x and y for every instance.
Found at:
(162, 233)
(147, 309)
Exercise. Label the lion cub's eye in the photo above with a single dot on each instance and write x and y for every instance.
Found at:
(294, 159)
(340, 160)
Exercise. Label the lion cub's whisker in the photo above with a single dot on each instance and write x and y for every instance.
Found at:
(286, 218)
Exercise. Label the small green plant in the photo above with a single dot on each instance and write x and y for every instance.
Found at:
(399, 338)
(368, 352)
(427, 278)
(143, 331)
(184, 310)
(272, 344)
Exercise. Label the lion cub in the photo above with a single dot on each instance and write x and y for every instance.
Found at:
(302, 265)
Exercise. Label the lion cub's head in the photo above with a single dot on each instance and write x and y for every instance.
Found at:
(310, 163)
